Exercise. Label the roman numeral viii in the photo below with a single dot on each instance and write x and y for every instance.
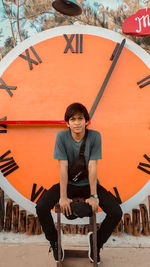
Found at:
(10, 165)
(74, 43)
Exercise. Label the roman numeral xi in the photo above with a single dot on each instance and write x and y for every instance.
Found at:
(30, 60)
(7, 164)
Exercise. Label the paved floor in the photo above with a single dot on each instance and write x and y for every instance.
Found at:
(36, 255)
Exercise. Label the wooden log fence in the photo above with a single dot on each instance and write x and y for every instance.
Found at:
(17, 220)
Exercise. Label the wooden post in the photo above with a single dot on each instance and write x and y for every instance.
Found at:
(94, 238)
(119, 228)
(145, 224)
(149, 205)
(15, 218)
(1, 209)
(86, 229)
(149, 210)
(8, 218)
(127, 224)
(38, 229)
(30, 224)
(136, 222)
(22, 228)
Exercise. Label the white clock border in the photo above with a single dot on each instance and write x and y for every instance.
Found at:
(59, 31)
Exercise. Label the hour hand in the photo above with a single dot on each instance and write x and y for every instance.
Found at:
(114, 57)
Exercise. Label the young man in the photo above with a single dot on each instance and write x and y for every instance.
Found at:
(67, 148)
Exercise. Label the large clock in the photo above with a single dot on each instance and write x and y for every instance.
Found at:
(47, 72)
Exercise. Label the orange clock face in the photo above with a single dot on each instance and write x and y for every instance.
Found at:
(69, 64)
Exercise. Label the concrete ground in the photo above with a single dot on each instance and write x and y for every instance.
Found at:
(36, 255)
(21, 250)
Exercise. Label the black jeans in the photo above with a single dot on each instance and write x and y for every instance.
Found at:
(106, 201)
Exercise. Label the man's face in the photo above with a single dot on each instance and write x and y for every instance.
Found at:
(77, 123)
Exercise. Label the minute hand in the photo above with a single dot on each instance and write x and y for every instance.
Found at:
(101, 91)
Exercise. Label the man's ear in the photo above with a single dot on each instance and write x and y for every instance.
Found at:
(86, 123)
(67, 124)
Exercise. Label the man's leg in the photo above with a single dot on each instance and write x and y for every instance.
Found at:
(44, 205)
(113, 215)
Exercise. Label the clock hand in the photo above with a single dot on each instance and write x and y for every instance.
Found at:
(61, 122)
(25, 122)
(101, 91)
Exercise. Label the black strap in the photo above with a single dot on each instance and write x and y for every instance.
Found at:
(82, 148)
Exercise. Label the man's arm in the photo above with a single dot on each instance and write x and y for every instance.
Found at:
(92, 170)
(64, 200)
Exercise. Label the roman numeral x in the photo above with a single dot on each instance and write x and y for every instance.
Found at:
(3, 85)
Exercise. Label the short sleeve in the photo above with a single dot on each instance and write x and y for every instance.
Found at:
(59, 149)
(96, 148)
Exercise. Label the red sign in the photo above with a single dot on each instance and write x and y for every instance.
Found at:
(137, 24)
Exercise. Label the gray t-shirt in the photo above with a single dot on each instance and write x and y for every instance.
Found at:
(66, 148)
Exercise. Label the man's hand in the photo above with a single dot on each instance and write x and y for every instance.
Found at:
(93, 202)
(64, 203)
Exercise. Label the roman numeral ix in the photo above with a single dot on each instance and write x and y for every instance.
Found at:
(10, 165)
(31, 60)
(77, 46)
(3, 125)
(142, 165)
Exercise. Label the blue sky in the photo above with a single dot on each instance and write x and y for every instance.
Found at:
(4, 24)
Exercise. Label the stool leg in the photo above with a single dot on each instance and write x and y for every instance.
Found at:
(94, 239)
(59, 263)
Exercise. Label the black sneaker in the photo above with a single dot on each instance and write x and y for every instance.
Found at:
(54, 247)
(91, 253)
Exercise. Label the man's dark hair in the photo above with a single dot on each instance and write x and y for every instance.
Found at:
(76, 108)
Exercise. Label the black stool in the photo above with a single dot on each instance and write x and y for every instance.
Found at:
(93, 228)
